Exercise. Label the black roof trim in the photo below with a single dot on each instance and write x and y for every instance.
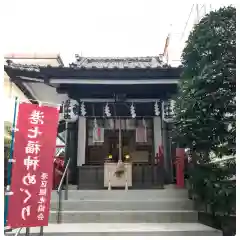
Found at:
(47, 73)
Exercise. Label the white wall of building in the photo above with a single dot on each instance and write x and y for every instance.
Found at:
(10, 92)
(40, 91)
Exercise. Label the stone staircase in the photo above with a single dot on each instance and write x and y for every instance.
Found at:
(166, 212)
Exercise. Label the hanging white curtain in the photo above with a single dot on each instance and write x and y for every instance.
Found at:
(141, 134)
(98, 134)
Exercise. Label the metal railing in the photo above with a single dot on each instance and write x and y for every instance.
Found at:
(28, 231)
(59, 191)
(18, 231)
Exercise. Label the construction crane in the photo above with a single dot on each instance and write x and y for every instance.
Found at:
(198, 14)
(165, 51)
(165, 55)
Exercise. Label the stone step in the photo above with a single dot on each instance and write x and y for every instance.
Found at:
(138, 216)
(123, 229)
(121, 205)
(122, 194)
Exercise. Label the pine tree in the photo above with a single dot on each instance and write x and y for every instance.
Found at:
(206, 103)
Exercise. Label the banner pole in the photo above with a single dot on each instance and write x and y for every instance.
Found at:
(9, 165)
(65, 161)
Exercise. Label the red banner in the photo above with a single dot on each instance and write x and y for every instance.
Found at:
(34, 150)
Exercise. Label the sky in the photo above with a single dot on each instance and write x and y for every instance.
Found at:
(99, 28)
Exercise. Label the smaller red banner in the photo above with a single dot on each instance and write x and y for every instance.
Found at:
(98, 134)
(34, 150)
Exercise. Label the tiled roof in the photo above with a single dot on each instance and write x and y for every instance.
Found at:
(119, 63)
(25, 67)
(100, 63)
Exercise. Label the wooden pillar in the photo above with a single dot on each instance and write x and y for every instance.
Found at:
(167, 143)
(72, 151)
(120, 141)
(81, 146)
(157, 129)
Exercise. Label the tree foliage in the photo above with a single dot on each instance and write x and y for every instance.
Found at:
(206, 104)
(214, 186)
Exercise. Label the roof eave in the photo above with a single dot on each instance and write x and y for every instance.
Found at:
(114, 81)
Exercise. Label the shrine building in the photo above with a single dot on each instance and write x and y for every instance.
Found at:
(119, 109)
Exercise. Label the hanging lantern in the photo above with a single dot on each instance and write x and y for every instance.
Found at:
(107, 110)
(156, 109)
(132, 111)
(76, 109)
(168, 110)
(69, 110)
(83, 109)
(66, 109)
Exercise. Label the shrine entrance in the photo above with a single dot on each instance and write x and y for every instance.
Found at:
(137, 92)
(110, 141)
(132, 141)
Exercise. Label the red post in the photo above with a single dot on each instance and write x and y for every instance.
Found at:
(180, 155)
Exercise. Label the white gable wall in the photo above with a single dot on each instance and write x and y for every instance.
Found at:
(40, 91)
